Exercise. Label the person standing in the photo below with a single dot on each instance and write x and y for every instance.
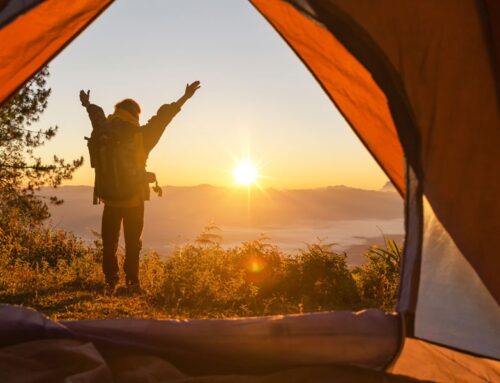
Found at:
(119, 147)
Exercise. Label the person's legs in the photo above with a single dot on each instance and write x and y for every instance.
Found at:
(110, 232)
(133, 223)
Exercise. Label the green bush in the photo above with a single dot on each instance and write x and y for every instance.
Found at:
(378, 278)
(321, 278)
(39, 243)
(205, 279)
(55, 272)
(255, 278)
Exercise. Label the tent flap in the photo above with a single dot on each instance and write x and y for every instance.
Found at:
(32, 39)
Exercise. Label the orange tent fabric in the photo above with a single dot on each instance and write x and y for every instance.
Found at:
(32, 39)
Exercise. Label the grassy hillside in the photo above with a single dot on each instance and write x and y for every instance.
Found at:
(56, 273)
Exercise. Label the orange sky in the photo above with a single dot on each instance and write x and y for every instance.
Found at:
(257, 100)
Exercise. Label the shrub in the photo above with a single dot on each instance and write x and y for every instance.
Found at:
(256, 278)
(319, 279)
(378, 278)
(206, 281)
(38, 243)
(55, 272)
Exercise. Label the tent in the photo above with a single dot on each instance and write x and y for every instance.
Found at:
(419, 83)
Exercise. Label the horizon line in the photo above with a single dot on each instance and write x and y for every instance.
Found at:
(242, 187)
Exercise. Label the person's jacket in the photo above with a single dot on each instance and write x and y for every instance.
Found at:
(151, 133)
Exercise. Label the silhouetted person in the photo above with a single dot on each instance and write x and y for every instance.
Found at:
(126, 203)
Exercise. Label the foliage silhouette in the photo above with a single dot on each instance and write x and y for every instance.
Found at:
(22, 172)
(55, 272)
(378, 278)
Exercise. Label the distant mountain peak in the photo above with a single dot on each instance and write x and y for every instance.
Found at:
(388, 187)
(340, 187)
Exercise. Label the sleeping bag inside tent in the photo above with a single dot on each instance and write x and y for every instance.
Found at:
(419, 83)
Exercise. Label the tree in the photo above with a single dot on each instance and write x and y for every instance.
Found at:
(22, 172)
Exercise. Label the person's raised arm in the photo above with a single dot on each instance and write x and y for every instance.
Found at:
(96, 114)
(155, 127)
(188, 93)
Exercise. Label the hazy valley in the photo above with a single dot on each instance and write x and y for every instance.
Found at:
(352, 218)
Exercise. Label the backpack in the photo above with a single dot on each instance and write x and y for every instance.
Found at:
(117, 154)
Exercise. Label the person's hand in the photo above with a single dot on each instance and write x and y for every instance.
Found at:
(191, 89)
(85, 98)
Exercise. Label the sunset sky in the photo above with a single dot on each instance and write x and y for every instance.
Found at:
(257, 99)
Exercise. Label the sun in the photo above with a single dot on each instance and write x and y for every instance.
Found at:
(245, 173)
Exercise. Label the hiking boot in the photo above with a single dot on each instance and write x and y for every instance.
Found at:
(131, 281)
(111, 283)
(109, 289)
(135, 289)
(133, 286)
(121, 291)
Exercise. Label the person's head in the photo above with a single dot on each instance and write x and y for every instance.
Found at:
(130, 106)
